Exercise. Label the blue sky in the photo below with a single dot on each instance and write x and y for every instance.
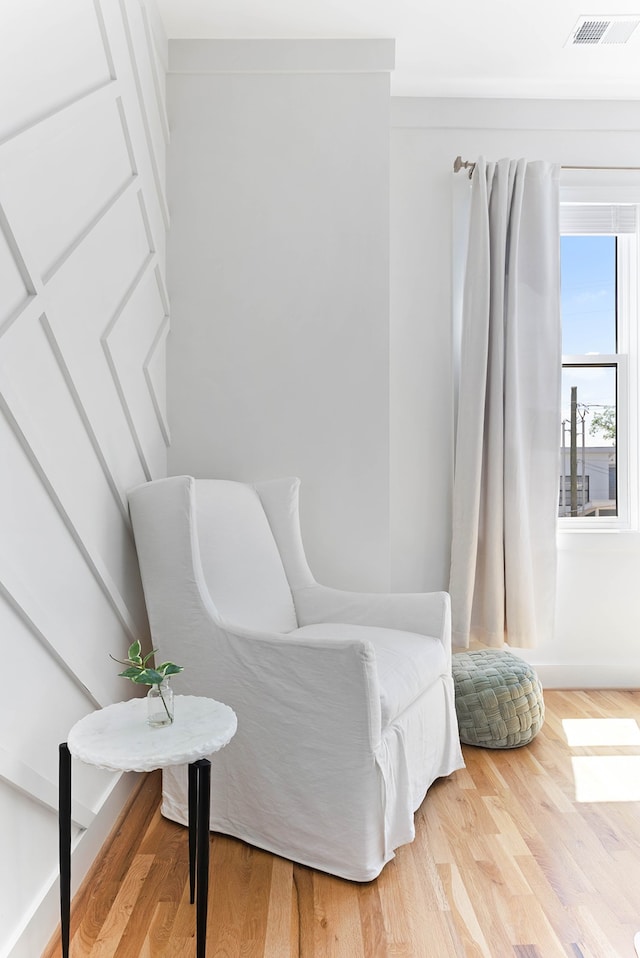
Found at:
(588, 295)
(588, 302)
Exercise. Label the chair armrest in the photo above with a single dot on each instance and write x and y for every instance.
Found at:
(309, 688)
(427, 613)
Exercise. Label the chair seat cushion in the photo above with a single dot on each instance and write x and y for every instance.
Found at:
(408, 663)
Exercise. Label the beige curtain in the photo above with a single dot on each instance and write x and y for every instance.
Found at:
(503, 561)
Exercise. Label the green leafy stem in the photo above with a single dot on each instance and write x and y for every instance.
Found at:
(139, 672)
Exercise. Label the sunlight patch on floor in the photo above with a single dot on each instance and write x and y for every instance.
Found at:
(607, 778)
(601, 732)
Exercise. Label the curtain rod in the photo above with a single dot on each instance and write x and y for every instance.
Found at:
(460, 164)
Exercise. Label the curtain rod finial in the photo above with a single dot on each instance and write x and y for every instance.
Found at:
(460, 164)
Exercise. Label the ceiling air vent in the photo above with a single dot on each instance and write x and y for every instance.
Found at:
(595, 30)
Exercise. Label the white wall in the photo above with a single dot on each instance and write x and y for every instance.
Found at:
(598, 619)
(83, 322)
(278, 277)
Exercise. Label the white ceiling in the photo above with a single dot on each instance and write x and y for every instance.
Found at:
(505, 48)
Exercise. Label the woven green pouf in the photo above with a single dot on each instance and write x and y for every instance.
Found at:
(499, 699)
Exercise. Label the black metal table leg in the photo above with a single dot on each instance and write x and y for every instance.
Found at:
(193, 816)
(64, 831)
(203, 774)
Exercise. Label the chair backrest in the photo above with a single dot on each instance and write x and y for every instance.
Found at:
(240, 560)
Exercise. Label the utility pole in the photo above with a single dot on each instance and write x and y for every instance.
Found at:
(583, 496)
(563, 477)
(573, 451)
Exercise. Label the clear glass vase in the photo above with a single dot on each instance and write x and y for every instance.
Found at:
(160, 705)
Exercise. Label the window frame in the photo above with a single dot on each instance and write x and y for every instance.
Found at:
(606, 188)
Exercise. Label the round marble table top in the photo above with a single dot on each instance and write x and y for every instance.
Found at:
(118, 737)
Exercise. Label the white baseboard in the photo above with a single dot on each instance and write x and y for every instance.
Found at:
(612, 675)
(40, 925)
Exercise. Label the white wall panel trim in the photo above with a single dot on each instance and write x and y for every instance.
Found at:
(159, 338)
(105, 39)
(162, 289)
(27, 780)
(146, 222)
(118, 494)
(93, 561)
(160, 41)
(127, 135)
(75, 109)
(153, 59)
(62, 259)
(72, 116)
(7, 141)
(31, 301)
(160, 186)
(104, 339)
(15, 252)
(10, 594)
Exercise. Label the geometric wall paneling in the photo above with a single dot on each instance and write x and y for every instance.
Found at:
(24, 654)
(29, 804)
(147, 223)
(158, 70)
(31, 826)
(59, 177)
(112, 556)
(29, 748)
(24, 803)
(158, 40)
(110, 442)
(150, 107)
(66, 59)
(119, 17)
(25, 631)
(83, 327)
(37, 397)
(127, 342)
(101, 269)
(45, 577)
(38, 788)
(15, 284)
(155, 374)
(83, 297)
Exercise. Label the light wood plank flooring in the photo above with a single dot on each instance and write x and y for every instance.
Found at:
(532, 853)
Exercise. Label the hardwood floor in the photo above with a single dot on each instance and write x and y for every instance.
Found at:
(532, 853)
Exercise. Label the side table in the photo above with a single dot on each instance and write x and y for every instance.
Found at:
(119, 738)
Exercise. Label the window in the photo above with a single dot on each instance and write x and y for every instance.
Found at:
(598, 431)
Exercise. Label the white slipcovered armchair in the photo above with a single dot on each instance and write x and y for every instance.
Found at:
(345, 701)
